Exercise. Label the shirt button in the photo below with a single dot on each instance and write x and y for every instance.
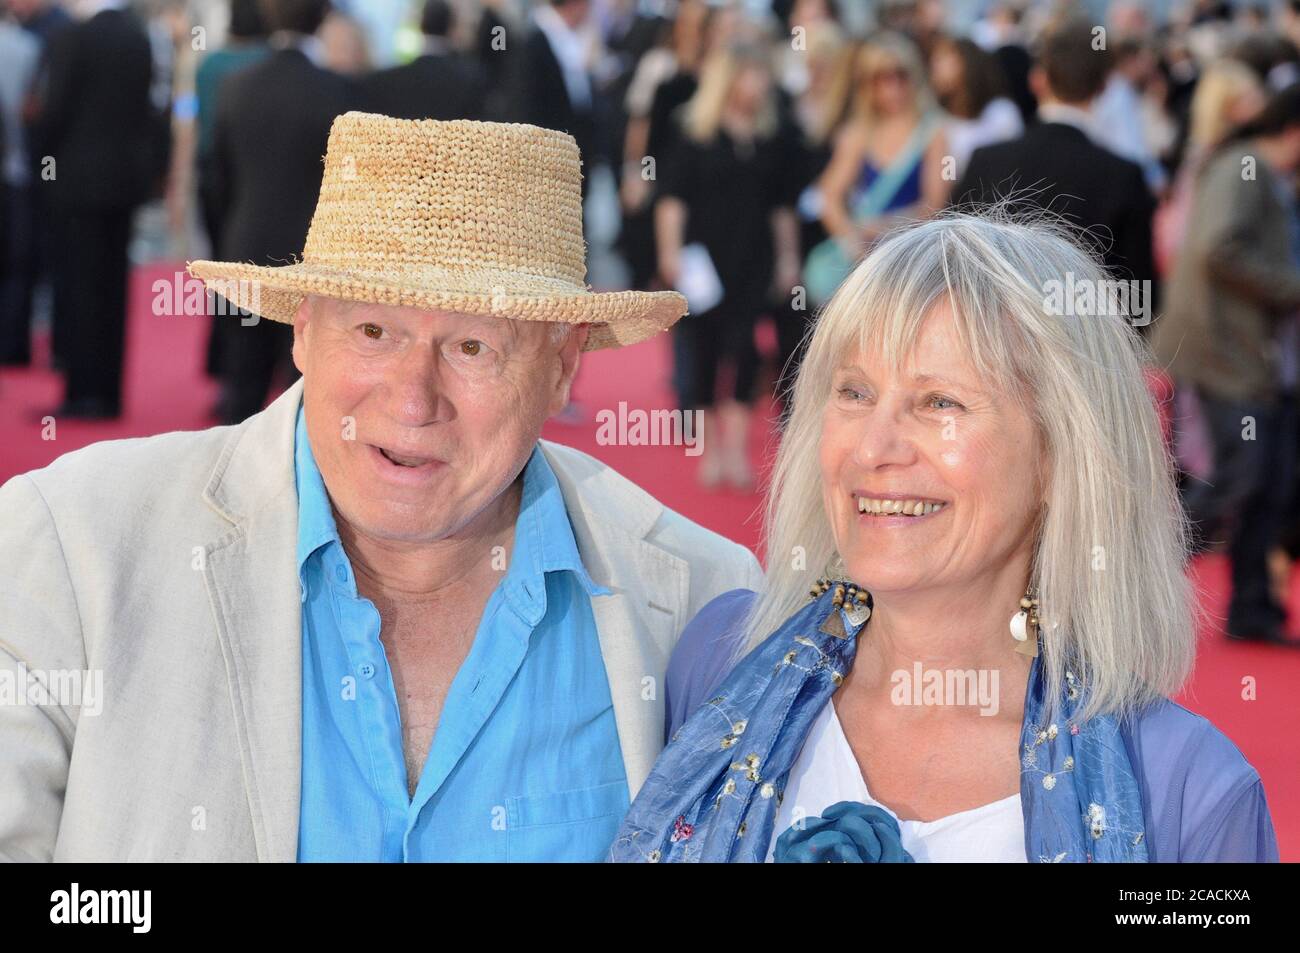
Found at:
(367, 670)
(341, 573)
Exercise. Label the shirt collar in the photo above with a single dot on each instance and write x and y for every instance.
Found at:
(316, 526)
(1067, 115)
(90, 8)
(543, 543)
(308, 44)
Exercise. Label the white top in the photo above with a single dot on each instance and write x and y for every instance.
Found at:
(826, 773)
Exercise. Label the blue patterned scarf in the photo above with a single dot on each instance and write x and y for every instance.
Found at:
(712, 795)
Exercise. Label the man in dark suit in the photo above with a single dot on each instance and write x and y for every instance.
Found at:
(556, 90)
(1057, 166)
(97, 166)
(439, 84)
(272, 127)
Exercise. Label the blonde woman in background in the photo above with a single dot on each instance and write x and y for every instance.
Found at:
(1228, 94)
(729, 189)
(887, 165)
(819, 110)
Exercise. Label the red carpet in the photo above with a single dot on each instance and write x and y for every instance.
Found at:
(166, 391)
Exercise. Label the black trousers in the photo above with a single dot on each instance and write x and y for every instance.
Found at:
(792, 329)
(250, 359)
(703, 342)
(1246, 498)
(19, 258)
(90, 284)
(211, 211)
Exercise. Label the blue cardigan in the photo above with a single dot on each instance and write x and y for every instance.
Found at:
(1202, 801)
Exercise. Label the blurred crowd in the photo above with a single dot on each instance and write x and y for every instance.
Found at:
(749, 152)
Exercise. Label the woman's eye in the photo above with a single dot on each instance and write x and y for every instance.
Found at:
(948, 401)
(372, 331)
(471, 348)
(850, 393)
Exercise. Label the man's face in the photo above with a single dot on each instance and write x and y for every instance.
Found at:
(420, 420)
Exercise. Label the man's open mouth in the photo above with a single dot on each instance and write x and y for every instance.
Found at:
(405, 461)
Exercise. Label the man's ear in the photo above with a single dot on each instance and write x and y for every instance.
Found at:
(300, 319)
(570, 357)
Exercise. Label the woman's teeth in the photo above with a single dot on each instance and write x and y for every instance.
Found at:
(897, 507)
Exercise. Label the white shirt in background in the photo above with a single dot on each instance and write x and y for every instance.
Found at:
(999, 121)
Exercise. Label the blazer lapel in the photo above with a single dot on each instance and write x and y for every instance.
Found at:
(252, 580)
(638, 625)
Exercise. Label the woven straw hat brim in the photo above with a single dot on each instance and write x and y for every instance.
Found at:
(618, 318)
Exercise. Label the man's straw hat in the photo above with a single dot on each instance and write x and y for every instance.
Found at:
(475, 217)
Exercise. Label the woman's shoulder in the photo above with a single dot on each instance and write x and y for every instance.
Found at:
(1204, 798)
(707, 650)
(1176, 735)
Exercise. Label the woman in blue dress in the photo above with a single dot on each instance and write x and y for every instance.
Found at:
(887, 164)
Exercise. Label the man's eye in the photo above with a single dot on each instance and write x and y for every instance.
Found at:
(471, 348)
(372, 331)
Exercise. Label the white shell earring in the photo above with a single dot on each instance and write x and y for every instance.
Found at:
(1024, 625)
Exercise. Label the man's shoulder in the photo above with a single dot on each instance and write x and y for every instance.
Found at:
(612, 498)
(1223, 172)
(109, 476)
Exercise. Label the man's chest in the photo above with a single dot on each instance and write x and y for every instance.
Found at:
(424, 656)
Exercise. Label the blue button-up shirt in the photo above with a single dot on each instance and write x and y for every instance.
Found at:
(525, 764)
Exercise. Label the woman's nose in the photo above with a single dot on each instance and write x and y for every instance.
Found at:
(884, 440)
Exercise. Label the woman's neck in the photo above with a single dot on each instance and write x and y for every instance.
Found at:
(952, 628)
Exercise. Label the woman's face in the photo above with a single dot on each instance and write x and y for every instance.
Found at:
(809, 11)
(1245, 105)
(946, 72)
(748, 90)
(930, 476)
(888, 84)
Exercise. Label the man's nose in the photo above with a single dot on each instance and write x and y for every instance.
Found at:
(416, 387)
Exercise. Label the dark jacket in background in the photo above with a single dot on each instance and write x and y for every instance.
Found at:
(97, 119)
(97, 124)
(272, 128)
(433, 86)
(269, 141)
(1067, 173)
(544, 100)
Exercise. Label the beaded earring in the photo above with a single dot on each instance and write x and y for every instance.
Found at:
(847, 597)
(1024, 624)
